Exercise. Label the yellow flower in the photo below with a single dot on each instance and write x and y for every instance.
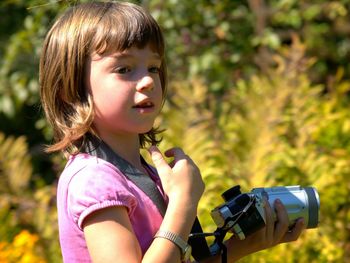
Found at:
(25, 239)
(23, 249)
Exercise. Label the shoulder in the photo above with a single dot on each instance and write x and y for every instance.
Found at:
(89, 184)
(83, 161)
(82, 169)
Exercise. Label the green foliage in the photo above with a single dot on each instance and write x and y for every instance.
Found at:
(273, 129)
(15, 166)
(22, 209)
(284, 130)
(206, 43)
(247, 101)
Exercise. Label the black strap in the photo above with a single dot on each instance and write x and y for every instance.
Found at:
(101, 150)
(200, 249)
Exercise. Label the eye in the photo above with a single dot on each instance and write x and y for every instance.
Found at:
(122, 70)
(154, 69)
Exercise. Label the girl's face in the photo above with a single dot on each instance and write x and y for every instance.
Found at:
(126, 90)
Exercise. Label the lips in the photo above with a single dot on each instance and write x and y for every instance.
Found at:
(146, 104)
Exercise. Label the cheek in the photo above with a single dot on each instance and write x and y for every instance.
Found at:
(109, 104)
(113, 100)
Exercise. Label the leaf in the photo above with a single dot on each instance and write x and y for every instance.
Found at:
(15, 165)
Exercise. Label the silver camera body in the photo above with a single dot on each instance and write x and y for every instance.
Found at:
(244, 213)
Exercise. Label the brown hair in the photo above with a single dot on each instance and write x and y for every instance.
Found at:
(100, 27)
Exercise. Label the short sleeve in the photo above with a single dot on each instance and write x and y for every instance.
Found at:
(95, 187)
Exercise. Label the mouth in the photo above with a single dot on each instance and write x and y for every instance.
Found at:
(144, 105)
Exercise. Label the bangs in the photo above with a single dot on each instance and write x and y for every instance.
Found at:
(120, 29)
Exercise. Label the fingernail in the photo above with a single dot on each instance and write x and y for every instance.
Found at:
(152, 148)
(278, 202)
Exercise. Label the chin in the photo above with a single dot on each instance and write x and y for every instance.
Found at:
(144, 129)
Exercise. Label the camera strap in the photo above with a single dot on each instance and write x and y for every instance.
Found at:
(100, 149)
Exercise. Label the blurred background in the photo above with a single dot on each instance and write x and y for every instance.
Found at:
(259, 96)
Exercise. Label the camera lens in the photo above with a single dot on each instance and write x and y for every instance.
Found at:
(314, 205)
(231, 193)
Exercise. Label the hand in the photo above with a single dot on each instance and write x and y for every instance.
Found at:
(274, 233)
(183, 184)
(181, 179)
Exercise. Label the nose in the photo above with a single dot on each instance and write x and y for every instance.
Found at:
(145, 83)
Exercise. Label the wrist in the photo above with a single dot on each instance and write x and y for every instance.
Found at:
(181, 209)
(179, 219)
(185, 248)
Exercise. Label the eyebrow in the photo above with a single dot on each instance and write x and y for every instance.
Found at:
(127, 55)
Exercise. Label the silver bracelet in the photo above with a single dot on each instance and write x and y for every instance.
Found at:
(185, 248)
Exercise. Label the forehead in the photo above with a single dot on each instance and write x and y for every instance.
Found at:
(145, 53)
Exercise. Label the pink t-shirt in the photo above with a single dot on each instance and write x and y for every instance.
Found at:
(88, 184)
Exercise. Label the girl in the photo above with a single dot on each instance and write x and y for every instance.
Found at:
(103, 82)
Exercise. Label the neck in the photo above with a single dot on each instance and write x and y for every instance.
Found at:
(127, 147)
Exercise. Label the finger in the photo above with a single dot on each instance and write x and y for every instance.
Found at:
(175, 152)
(295, 232)
(269, 222)
(159, 162)
(282, 221)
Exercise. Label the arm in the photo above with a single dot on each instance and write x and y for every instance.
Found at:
(272, 234)
(109, 236)
(109, 230)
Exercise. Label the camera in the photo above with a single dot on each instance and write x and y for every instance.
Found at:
(243, 213)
